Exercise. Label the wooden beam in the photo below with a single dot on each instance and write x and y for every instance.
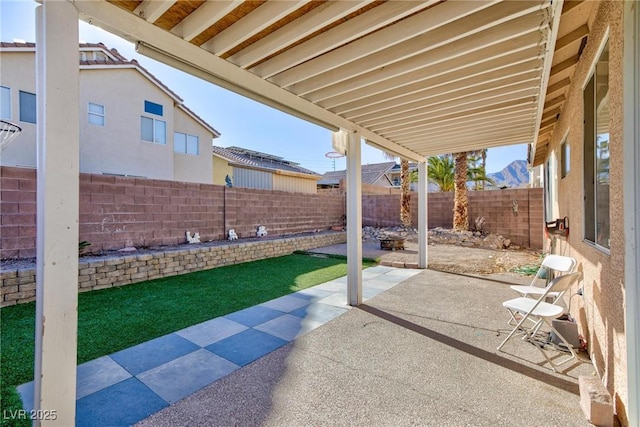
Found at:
(559, 86)
(551, 113)
(203, 17)
(289, 34)
(259, 19)
(363, 24)
(574, 36)
(151, 10)
(553, 102)
(571, 62)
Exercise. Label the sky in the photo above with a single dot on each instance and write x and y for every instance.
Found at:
(241, 121)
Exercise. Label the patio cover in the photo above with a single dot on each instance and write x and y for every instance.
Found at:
(415, 78)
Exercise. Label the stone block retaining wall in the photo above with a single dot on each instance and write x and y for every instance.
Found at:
(19, 285)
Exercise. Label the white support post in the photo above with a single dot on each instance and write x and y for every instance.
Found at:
(423, 221)
(631, 191)
(354, 219)
(57, 82)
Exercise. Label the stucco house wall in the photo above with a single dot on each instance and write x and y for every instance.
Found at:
(18, 74)
(600, 312)
(221, 169)
(189, 167)
(117, 147)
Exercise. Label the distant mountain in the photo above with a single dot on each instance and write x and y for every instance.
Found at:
(514, 175)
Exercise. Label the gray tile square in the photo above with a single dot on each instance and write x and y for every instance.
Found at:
(97, 375)
(211, 331)
(286, 303)
(333, 286)
(92, 377)
(337, 300)
(319, 312)
(379, 269)
(255, 315)
(148, 355)
(379, 284)
(315, 293)
(185, 375)
(288, 327)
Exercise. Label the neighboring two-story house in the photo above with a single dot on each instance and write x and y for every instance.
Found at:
(372, 174)
(240, 167)
(131, 124)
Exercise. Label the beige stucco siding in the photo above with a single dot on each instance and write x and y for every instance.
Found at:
(600, 311)
(188, 167)
(17, 72)
(294, 184)
(117, 147)
(221, 169)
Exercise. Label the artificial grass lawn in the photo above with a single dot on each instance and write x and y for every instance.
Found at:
(113, 319)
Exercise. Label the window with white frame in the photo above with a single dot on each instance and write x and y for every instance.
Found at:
(5, 103)
(27, 107)
(185, 143)
(96, 114)
(596, 154)
(551, 188)
(153, 130)
(565, 159)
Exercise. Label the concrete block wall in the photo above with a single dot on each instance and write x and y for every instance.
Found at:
(116, 212)
(280, 212)
(17, 213)
(19, 285)
(523, 226)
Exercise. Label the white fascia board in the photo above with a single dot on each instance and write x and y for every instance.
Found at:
(556, 10)
(218, 71)
(17, 49)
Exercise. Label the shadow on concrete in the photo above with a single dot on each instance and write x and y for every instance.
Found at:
(474, 351)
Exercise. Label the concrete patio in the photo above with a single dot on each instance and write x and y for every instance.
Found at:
(420, 353)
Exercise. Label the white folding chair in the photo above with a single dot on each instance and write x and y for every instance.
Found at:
(554, 266)
(541, 312)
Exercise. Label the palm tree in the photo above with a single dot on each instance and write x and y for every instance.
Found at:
(441, 172)
(460, 214)
(405, 194)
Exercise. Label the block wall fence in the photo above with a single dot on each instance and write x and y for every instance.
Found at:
(514, 213)
(116, 212)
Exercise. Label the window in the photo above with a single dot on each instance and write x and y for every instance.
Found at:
(153, 130)
(27, 107)
(550, 188)
(96, 114)
(184, 143)
(565, 159)
(596, 154)
(5, 103)
(153, 108)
